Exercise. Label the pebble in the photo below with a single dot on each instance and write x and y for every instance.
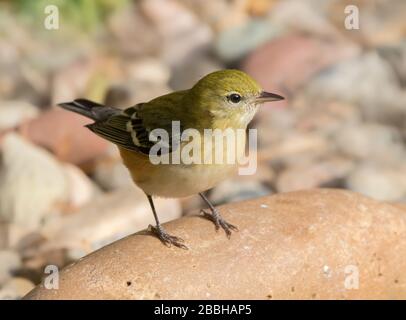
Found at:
(237, 189)
(306, 16)
(324, 173)
(9, 261)
(193, 68)
(15, 289)
(382, 143)
(81, 190)
(379, 182)
(13, 113)
(181, 31)
(290, 61)
(110, 173)
(108, 218)
(367, 81)
(234, 43)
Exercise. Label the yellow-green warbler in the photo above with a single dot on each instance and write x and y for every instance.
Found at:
(226, 99)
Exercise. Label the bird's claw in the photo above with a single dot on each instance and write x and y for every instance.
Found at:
(220, 222)
(166, 238)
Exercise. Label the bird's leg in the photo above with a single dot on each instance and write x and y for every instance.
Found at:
(217, 218)
(166, 238)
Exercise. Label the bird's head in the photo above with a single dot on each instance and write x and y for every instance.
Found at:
(230, 97)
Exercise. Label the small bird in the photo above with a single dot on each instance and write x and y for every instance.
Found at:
(225, 99)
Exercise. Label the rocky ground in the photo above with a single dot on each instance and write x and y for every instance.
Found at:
(64, 192)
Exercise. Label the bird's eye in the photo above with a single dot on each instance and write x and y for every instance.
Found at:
(234, 98)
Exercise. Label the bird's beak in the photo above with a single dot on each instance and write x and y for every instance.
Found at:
(267, 97)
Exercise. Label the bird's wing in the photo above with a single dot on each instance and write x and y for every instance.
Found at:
(125, 130)
(131, 128)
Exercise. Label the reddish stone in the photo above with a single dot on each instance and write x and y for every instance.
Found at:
(286, 63)
(63, 133)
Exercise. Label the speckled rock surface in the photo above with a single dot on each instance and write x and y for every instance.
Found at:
(316, 244)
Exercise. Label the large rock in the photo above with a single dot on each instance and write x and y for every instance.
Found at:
(234, 43)
(381, 23)
(368, 81)
(326, 172)
(288, 62)
(317, 244)
(237, 189)
(13, 113)
(180, 30)
(32, 183)
(111, 216)
(109, 171)
(367, 141)
(15, 288)
(63, 133)
(10, 261)
(386, 183)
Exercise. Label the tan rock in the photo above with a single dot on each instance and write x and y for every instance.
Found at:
(148, 70)
(109, 171)
(237, 189)
(294, 145)
(129, 27)
(381, 24)
(382, 143)
(104, 220)
(321, 173)
(316, 244)
(10, 261)
(181, 31)
(303, 17)
(15, 288)
(380, 87)
(13, 113)
(401, 206)
(385, 183)
(81, 190)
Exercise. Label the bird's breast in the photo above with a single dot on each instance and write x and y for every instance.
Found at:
(175, 180)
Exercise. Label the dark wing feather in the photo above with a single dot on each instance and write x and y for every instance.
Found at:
(125, 130)
(129, 130)
(119, 137)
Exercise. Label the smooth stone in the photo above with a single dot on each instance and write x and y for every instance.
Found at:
(237, 189)
(379, 182)
(63, 133)
(313, 175)
(108, 218)
(315, 244)
(9, 262)
(367, 141)
(13, 113)
(379, 87)
(110, 173)
(234, 43)
(15, 288)
(33, 183)
(81, 190)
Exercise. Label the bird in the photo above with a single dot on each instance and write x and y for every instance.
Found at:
(221, 100)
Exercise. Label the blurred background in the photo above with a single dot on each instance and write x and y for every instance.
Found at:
(64, 192)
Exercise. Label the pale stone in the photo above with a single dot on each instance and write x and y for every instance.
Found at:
(32, 183)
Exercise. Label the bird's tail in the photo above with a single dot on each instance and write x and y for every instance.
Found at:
(90, 109)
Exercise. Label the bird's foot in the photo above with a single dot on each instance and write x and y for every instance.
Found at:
(220, 222)
(166, 238)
